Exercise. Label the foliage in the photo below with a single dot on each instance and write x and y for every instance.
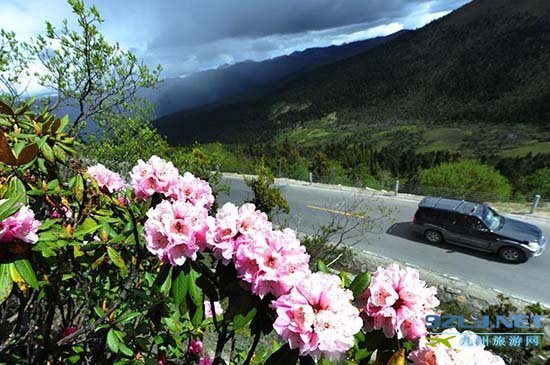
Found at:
(446, 72)
(98, 79)
(14, 64)
(126, 139)
(91, 289)
(469, 179)
(521, 355)
(537, 183)
(267, 198)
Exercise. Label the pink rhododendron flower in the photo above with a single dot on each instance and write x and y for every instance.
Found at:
(192, 189)
(208, 309)
(195, 347)
(205, 361)
(175, 231)
(465, 349)
(154, 176)
(318, 316)
(222, 231)
(106, 179)
(397, 301)
(20, 226)
(252, 221)
(231, 222)
(271, 262)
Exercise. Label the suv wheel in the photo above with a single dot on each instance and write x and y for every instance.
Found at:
(433, 236)
(511, 254)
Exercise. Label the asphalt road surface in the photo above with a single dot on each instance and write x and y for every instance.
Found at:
(313, 206)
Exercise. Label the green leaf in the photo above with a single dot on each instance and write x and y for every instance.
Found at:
(59, 153)
(47, 152)
(115, 257)
(242, 320)
(78, 187)
(8, 208)
(88, 226)
(195, 293)
(6, 284)
(198, 315)
(360, 284)
(16, 189)
(112, 341)
(125, 349)
(42, 165)
(63, 122)
(283, 356)
(26, 271)
(179, 288)
(322, 267)
(165, 287)
(128, 317)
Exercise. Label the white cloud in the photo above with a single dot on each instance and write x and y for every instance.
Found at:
(194, 35)
(381, 30)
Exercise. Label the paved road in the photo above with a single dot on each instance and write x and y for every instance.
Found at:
(311, 207)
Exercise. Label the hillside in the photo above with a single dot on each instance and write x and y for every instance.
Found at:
(487, 63)
(248, 79)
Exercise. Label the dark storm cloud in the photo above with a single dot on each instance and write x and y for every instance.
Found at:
(190, 35)
(191, 23)
(211, 32)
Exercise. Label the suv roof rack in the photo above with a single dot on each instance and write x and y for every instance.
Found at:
(449, 204)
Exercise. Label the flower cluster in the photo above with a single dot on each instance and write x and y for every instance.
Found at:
(231, 222)
(154, 176)
(318, 316)
(465, 349)
(159, 176)
(192, 189)
(175, 231)
(271, 263)
(20, 226)
(106, 179)
(397, 301)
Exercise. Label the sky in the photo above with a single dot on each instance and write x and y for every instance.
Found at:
(187, 36)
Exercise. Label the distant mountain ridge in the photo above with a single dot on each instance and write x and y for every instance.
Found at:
(248, 79)
(486, 62)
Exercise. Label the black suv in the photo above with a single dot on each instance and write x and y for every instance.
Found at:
(478, 226)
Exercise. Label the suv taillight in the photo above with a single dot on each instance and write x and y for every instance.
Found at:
(414, 218)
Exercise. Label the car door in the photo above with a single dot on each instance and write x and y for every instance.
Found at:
(473, 232)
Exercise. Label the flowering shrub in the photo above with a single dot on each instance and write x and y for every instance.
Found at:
(96, 270)
(20, 226)
(318, 316)
(456, 352)
(397, 301)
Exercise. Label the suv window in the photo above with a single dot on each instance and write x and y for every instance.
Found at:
(470, 222)
(436, 215)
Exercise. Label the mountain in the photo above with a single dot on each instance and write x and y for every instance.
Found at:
(486, 63)
(248, 79)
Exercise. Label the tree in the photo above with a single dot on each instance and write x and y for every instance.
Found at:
(466, 179)
(14, 63)
(99, 79)
(537, 183)
(128, 138)
(266, 198)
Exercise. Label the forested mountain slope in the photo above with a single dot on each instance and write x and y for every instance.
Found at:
(487, 62)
